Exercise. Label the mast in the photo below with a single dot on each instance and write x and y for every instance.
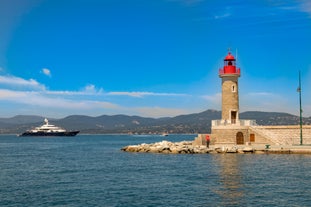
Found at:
(300, 111)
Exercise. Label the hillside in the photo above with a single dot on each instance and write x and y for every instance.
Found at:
(191, 123)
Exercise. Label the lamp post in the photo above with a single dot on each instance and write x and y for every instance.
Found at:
(299, 91)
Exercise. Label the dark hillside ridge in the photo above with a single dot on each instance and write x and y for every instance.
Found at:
(190, 123)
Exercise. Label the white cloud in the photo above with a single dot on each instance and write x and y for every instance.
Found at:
(46, 72)
(91, 89)
(87, 90)
(76, 101)
(108, 105)
(40, 99)
(142, 94)
(12, 95)
(222, 16)
(20, 82)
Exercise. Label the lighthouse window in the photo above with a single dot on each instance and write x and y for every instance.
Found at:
(233, 88)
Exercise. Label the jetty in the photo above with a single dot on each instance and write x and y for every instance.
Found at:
(189, 147)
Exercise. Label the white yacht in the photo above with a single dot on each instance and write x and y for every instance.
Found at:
(49, 130)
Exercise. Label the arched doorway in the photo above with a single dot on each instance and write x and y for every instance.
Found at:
(239, 138)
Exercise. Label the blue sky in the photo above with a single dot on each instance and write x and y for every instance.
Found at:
(152, 58)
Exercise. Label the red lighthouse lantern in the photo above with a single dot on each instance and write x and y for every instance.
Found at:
(229, 66)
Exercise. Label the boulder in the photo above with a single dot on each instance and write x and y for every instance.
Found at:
(248, 150)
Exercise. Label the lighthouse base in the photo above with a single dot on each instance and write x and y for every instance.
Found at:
(253, 134)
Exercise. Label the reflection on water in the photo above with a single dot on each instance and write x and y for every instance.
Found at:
(231, 190)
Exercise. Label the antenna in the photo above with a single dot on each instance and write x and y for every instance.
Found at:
(236, 54)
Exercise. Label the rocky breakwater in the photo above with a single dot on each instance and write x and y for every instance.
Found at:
(189, 147)
(184, 147)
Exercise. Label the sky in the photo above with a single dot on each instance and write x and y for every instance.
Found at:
(151, 58)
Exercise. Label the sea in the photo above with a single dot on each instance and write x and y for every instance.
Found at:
(91, 170)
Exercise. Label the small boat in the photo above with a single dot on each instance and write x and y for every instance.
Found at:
(48, 130)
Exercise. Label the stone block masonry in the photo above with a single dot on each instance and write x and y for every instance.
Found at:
(273, 135)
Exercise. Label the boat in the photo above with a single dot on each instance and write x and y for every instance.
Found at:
(48, 130)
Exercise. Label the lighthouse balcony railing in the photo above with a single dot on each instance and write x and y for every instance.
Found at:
(225, 72)
(240, 122)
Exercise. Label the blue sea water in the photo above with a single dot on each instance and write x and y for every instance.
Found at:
(91, 170)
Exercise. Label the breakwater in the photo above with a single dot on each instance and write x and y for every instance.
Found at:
(188, 147)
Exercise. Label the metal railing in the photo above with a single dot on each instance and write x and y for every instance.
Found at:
(222, 72)
(241, 122)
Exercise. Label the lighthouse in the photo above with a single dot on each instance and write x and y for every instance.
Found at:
(229, 75)
(231, 131)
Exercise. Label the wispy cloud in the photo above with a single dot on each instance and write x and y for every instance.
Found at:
(46, 72)
(188, 2)
(296, 6)
(89, 100)
(34, 98)
(257, 94)
(305, 6)
(89, 90)
(138, 94)
(42, 100)
(222, 16)
(20, 82)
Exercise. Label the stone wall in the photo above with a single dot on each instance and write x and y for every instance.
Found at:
(273, 135)
(283, 135)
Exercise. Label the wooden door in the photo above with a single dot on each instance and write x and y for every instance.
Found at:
(239, 138)
(252, 137)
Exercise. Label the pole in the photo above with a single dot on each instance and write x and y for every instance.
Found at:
(299, 90)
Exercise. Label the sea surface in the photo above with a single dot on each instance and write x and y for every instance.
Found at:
(91, 170)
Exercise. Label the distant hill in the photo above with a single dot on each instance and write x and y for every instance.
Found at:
(20, 119)
(190, 123)
(273, 118)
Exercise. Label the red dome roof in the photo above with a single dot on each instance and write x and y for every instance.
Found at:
(229, 57)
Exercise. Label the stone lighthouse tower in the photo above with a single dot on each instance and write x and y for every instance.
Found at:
(230, 91)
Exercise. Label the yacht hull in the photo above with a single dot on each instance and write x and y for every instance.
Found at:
(41, 134)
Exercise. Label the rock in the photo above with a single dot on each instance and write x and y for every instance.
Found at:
(248, 150)
(233, 149)
(132, 148)
(153, 149)
(166, 151)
